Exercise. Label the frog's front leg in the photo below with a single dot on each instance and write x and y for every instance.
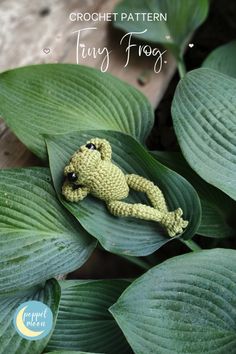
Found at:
(73, 193)
(103, 146)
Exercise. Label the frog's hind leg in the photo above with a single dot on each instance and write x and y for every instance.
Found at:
(172, 221)
(137, 210)
(153, 193)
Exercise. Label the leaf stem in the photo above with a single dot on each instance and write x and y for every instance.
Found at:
(181, 68)
(193, 246)
(137, 261)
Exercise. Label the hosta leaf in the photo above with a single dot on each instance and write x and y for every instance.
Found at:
(222, 59)
(217, 207)
(185, 305)
(183, 17)
(59, 98)
(84, 322)
(69, 352)
(129, 236)
(204, 115)
(38, 237)
(11, 341)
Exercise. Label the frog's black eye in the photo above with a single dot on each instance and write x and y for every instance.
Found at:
(72, 177)
(91, 146)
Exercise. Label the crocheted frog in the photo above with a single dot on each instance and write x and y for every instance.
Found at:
(91, 171)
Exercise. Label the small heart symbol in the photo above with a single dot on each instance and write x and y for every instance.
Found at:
(191, 45)
(46, 50)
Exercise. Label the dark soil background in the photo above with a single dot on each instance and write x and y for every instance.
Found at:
(219, 28)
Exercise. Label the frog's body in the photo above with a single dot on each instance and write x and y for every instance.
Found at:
(91, 171)
(109, 183)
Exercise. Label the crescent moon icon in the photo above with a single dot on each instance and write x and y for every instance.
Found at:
(21, 326)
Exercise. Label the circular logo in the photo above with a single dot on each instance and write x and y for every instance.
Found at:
(33, 320)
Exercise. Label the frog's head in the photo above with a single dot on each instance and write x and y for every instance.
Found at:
(86, 161)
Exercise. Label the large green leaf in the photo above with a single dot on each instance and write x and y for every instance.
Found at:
(185, 305)
(217, 207)
(59, 98)
(204, 115)
(11, 342)
(38, 237)
(128, 236)
(222, 59)
(69, 352)
(84, 322)
(183, 17)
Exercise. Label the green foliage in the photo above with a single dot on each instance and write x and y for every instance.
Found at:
(204, 116)
(185, 305)
(11, 341)
(84, 322)
(222, 59)
(217, 208)
(38, 237)
(184, 16)
(61, 98)
(69, 352)
(129, 236)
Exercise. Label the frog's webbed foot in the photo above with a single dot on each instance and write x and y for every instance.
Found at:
(174, 223)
